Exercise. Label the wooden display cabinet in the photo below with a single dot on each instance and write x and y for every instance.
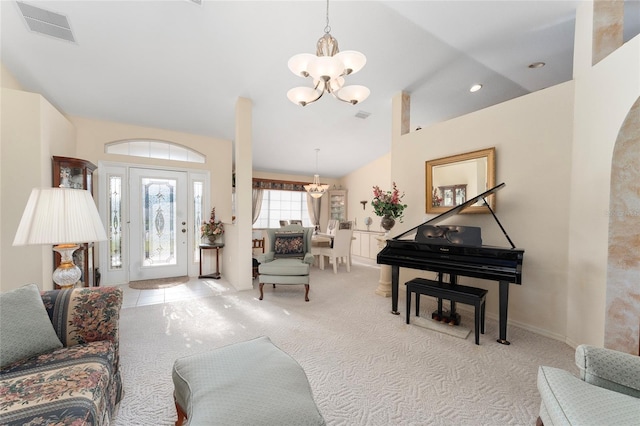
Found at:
(78, 174)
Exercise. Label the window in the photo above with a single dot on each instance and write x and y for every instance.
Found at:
(282, 205)
(154, 149)
(198, 217)
(115, 221)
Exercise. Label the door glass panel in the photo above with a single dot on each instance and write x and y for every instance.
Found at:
(115, 222)
(197, 218)
(159, 221)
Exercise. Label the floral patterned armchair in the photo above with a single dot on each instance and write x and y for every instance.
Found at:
(289, 258)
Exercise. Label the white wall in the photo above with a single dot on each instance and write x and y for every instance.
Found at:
(32, 131)
(604, 96)
(360, 184)
(237, 252)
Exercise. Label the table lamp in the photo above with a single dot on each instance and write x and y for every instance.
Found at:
(62, 217)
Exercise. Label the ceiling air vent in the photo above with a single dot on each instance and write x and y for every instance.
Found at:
(363, 114)
(46, 22)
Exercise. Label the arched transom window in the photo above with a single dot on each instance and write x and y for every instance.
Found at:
(150, 148)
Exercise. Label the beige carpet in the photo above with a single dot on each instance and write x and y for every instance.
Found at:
(158, 283)
(365, 366)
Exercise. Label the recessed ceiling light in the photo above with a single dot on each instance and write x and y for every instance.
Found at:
(537, 65)
(475, 88)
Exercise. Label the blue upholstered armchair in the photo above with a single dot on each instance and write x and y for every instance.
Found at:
(288, 258)
(607, 392)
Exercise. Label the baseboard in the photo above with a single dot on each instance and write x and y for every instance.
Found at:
(528, 327)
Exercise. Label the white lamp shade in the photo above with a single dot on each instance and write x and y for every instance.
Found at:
(303, 95)
(352, 60)
(335, 84)
(299, 64)
(59, 216)
(325, 68)
(316, 191)
(354, 94)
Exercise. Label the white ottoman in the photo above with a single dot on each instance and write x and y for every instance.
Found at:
(247, 383)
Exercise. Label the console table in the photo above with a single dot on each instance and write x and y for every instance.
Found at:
(216, 247)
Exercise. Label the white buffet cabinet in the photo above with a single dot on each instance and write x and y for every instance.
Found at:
(365, 243)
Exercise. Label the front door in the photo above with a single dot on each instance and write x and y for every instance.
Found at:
(158, 224)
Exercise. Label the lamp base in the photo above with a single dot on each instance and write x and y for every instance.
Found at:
(67, 274)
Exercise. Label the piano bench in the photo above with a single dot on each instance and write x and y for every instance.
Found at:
(455, 293)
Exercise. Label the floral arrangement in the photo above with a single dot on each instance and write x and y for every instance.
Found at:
(212, 228)
(436, 198)
(388, 203)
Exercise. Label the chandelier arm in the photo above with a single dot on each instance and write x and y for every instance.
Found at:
(313, 100)
(338, 97)
(343, 100)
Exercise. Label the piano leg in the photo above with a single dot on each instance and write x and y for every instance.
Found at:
(504, 303)
(395, 277)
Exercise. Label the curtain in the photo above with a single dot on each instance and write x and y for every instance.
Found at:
(313, 205)
(256, 203)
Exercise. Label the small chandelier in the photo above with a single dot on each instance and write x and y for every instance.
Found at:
(327, 68)
(315, 189)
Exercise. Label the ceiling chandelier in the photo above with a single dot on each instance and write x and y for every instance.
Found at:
(327, 68)
(315, 189)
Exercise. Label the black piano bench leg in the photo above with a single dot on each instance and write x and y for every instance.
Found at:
(478, 318)
(408, 305)
(417, 304)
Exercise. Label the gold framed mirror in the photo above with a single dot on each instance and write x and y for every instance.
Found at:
(453, 180)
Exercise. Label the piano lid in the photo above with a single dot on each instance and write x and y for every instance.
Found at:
(456, 210)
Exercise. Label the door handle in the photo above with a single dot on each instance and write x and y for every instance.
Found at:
(184, 230)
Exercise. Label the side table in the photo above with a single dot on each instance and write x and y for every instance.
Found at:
(216, 247)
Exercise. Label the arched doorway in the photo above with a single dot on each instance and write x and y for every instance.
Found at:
(622, 321)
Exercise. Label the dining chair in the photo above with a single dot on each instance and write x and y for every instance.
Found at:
(340, 251)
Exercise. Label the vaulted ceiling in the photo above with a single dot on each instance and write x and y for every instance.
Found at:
(181, 65)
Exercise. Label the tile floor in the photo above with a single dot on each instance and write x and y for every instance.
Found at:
(195, 288)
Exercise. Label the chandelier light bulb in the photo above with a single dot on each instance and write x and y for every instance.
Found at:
(353, 94)
(304, 95)
(325, 68)
(335, 85)
(299, 64)
(352, 61)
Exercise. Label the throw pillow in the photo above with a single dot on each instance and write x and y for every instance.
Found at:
(24, 326)
(289, 244)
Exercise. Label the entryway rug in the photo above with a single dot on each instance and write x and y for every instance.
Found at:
(158, 283)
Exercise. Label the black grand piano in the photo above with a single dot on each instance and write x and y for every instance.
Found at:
(456, 251)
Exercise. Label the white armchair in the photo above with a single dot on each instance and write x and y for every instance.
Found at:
(607, 392)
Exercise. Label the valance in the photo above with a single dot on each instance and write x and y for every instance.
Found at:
(280, 185)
